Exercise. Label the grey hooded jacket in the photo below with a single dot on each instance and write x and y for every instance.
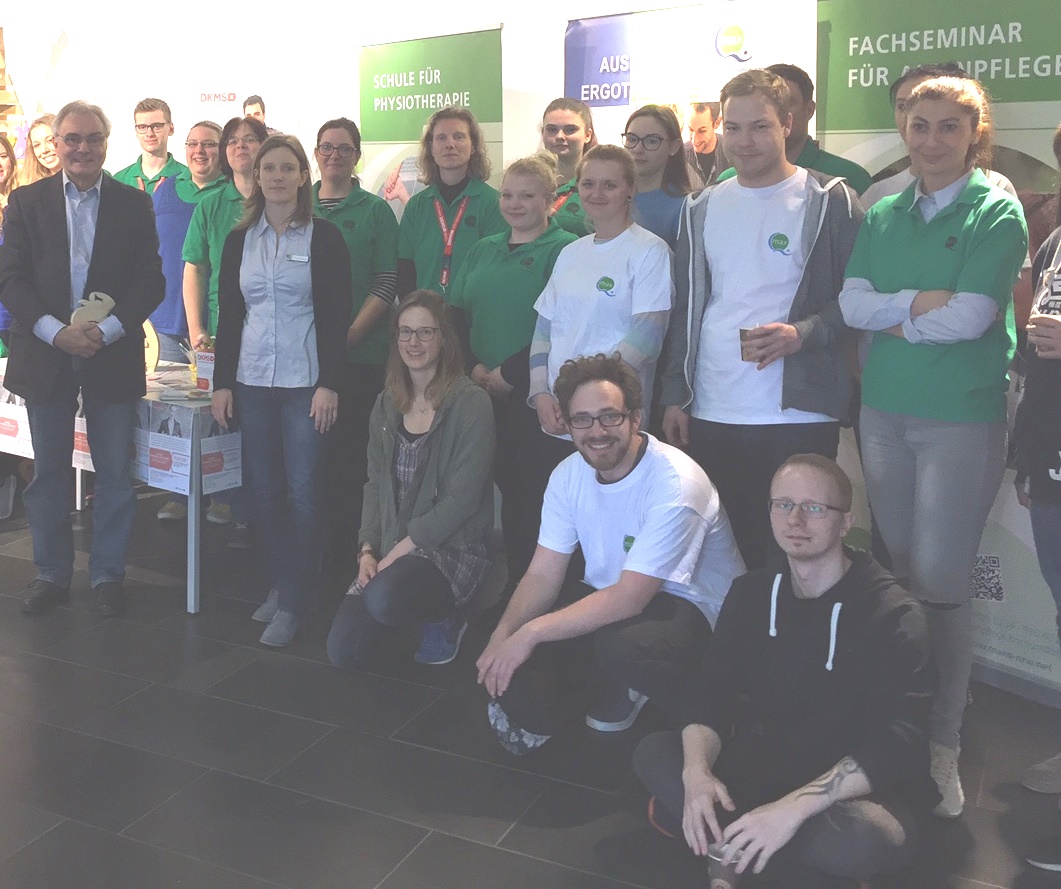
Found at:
(816, 378)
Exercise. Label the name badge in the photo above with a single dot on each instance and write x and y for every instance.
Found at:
(296, 257)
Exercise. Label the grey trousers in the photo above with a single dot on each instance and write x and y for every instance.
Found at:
(931, 485)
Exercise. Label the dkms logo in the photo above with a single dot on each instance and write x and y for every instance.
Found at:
(729, 43)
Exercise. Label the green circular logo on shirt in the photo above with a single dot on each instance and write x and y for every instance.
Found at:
(606, 285)
(779, 243)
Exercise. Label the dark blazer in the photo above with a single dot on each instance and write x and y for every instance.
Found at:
(35, 281)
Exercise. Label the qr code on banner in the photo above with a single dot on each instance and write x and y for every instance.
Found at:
(987, 579)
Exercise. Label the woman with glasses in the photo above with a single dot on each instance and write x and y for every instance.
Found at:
(496, 290)
(441, 223)
(428, 507)
(371, 233)
(654, 137)
(42, 160)
(284, 297)
(567, 134)
(932, 275)
(211, 223)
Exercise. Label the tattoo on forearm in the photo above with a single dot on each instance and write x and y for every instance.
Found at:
(829, 783)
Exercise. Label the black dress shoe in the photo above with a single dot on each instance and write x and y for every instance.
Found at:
(110, 598)
(41, 595)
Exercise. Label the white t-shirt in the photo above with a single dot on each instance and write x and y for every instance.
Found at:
(755, 250)
(596, 288)
(664, 520)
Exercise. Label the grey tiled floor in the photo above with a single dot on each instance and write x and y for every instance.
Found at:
(163, 750)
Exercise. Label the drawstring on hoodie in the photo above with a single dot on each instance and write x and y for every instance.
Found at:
(833, 622)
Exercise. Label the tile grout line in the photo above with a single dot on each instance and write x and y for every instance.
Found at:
(405, 858)
(512, 826)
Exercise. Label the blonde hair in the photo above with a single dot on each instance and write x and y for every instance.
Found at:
(541, 166)
(32, 169)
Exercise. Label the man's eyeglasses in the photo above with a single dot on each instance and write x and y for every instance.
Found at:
(808, 508)
(423, 334)
(73, 140)
(651, 141)
(326, 148)
(206, 144)
(153, 127)
(608, 420)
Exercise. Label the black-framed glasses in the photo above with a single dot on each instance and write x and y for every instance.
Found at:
(609, 420)
(423, 334)
(74, 140)
(810, 509)
(205, 144)
(651, 142)
(326, 148)
(245, 141)
(153, 127)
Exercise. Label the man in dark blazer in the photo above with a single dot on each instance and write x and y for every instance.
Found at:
(64, 238)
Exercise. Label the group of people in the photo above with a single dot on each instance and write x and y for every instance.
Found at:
(653, 372)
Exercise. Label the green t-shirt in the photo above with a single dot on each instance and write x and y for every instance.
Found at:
(497, 288)
(569, 215)
(813, 158)
(213, 219)
(134, 174)
(975, 245)
(191, 193)
(370, 230)
(420, 236)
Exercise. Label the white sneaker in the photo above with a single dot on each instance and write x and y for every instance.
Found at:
(944, 768)
(267, 610)
(1044, 777)
(281, 630)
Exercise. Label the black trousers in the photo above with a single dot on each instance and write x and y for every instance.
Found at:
(850, 841)
(654, 653)
(741, 461)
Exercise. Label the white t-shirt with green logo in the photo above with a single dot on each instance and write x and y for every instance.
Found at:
(596, 288)
(664, 520)
(756, 257)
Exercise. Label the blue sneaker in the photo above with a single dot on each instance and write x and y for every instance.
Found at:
(441, 641)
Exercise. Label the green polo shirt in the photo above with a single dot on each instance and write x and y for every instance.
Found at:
(213, 219)
(812, 157)
(570, 215)
(498, 286)
(191, 193)
(370, 230)
(134, 174)
(976, 245)
(420, 236)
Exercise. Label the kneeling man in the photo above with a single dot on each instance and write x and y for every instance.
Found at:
(805, 756)
(659, 554)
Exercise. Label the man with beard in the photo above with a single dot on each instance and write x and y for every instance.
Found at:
(659, 554)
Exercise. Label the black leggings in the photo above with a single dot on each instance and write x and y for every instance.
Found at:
(850, 841)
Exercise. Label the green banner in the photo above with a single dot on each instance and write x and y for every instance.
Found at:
(1011, 48)
(403, 84)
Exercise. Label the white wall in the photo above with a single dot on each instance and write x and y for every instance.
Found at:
(304, 60)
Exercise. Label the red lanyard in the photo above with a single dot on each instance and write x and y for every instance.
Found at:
(449, 235)
(559, 202)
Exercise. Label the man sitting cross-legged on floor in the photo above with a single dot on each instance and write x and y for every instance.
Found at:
(806, 749)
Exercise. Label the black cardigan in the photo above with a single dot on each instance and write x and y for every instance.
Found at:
(333, 295)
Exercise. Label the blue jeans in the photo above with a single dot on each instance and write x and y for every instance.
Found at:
(50, 496)
(410, 592)
(1046, 528)
(281, 451)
